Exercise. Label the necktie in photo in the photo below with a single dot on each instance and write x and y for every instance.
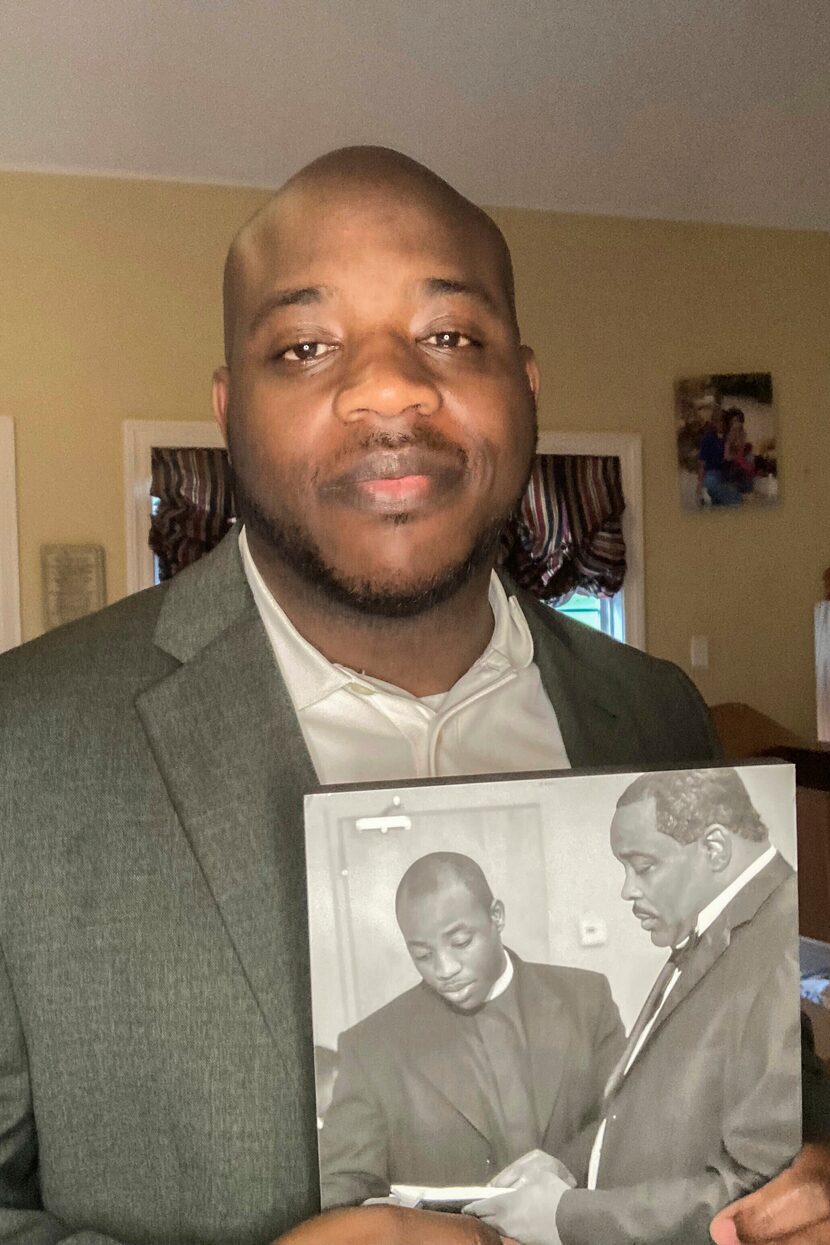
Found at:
(676, 961)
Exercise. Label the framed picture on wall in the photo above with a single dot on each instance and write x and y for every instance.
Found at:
(585, 979)
(727, 441)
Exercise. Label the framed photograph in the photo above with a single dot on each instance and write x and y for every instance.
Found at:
(73, 582)
(727, 443)
(589, 981)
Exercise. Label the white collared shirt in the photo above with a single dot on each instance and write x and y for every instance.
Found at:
(706, 917)
(502, 982)
(496, 719)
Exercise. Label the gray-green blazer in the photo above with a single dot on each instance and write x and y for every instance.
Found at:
(155, 1050)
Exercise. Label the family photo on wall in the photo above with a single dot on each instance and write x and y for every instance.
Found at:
(727, 448)
(570, 996)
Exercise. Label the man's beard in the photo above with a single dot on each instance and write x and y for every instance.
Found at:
(295, 548)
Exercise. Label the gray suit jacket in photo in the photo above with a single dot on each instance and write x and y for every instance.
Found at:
(708, 1110)
(407, 1108)
(156, 1068)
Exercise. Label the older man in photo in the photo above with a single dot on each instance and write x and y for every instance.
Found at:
(715, 1043)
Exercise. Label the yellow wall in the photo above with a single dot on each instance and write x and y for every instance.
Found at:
(110, 311)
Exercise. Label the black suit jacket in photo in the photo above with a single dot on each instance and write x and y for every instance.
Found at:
(406, 1110)
(710, 1107)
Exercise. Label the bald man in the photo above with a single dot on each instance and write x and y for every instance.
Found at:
(487, 1058)
(156, 1059)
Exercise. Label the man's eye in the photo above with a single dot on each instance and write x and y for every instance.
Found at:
(449, 339)
(461, 942)
(305, 352)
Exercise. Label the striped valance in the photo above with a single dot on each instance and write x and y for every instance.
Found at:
(193, 506)
(567, 535)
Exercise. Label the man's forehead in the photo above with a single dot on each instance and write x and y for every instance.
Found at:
(443, 904)
(314, 242)
(635, 825)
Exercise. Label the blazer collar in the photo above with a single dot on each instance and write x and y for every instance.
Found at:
(440, 1049)
(715, 941)
(226, 741)
(595, 728)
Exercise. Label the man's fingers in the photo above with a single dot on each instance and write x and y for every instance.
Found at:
(509, 1175)
(817, 1234)
(722, 1230)
(791, 1204)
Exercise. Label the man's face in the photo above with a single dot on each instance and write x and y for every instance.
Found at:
(666, 882)
(379, 411)
(455, 943)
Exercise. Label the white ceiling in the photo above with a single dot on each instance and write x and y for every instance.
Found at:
(684, 109)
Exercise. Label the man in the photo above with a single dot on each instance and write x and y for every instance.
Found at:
(155, 1053)
(487, 1058)
(716, 1040)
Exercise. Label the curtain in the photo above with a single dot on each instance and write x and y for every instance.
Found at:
(567, 535)
(194, 505)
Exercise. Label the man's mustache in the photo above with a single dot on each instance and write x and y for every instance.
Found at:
(385, 456)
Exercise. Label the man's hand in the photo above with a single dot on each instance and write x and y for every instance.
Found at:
(793, 1209)
(530, 1166)
(526, 1211)
(389, 1225)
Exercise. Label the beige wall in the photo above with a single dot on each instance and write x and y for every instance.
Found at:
(110, 311)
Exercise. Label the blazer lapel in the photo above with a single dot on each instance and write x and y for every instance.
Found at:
(595, 729)
(444, 1059)
(226, 740)
(542, 1015)
(716, 939)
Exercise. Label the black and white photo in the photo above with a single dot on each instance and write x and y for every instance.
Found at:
(567, 1004)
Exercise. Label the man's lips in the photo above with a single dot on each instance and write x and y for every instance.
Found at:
(456, 989)
(395, 481)
(646, 918)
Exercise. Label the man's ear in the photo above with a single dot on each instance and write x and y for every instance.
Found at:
(717, 844)
(220, 395)
(497, 914)
(531, 368)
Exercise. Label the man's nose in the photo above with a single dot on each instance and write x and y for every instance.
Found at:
(386, 380)
(630, 889)
(446, 967)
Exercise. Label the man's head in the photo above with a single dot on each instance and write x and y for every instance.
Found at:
(682, 837)
(378, 406)
(452, 926)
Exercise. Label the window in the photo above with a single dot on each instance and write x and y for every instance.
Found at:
(606, 614)
(623, 616)
(140, 436)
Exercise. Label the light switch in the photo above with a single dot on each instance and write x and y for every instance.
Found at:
(700, 652)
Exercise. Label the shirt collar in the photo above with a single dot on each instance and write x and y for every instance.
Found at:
(311, 677)
(713, 910)
(499, 986)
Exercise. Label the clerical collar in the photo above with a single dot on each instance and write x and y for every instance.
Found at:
(499, 986)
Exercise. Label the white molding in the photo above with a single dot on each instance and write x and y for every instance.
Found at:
(140, 438)
(9, 553)
(628, 447)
